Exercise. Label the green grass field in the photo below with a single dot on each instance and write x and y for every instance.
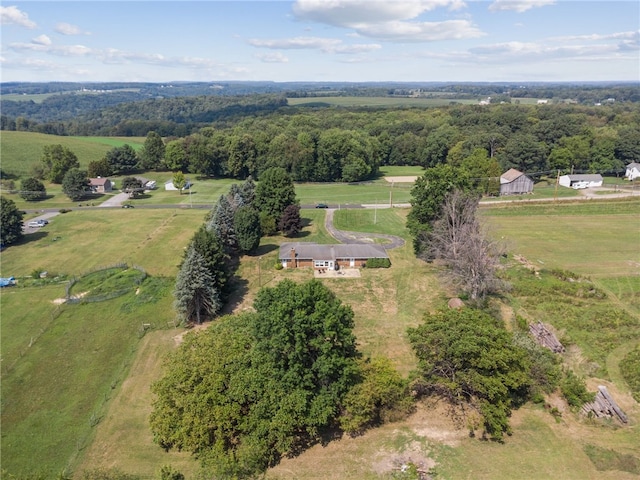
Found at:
(19, 150)
(84, 371)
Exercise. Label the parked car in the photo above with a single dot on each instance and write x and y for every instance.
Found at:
(322, 205)
(580, 185)
(37, 223)
(127, 205)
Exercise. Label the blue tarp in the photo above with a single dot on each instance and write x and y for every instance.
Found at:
(5, 282)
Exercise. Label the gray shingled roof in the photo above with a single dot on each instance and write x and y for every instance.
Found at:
(314, 251)
(585, 177)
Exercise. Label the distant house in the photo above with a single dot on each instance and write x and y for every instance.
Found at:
(331, 257)
(542, 102)
(146, 183)
(514, 182)
(100, 185)
(588, 180)
(633, 171)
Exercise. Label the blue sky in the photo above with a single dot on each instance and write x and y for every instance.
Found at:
(321, 40)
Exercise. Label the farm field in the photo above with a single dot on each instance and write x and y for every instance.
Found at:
(19, 150)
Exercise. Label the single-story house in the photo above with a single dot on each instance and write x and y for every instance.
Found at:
(590, 180)
(146, 183)
(168, 185)
(100, 185)
(633, 171)
(331, 257)
(514, 182)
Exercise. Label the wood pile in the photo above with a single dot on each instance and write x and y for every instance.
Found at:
(545, 338)
(604, 406)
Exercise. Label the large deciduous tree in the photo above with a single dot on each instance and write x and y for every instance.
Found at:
(196, 298)
(257, 386)
(274, 192)
(32, 189)
(470, 359)
(75, 184)
(56, 161)
(290, 223)
(246, 223)
(10, 222)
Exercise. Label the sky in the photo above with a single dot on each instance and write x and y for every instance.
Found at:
(320, 40)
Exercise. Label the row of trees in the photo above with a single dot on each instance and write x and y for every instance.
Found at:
(336, 145)
(233, 227)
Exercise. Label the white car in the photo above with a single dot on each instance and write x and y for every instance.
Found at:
(580, 185)
(37, 223)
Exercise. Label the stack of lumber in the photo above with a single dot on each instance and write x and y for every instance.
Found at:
(545, 338)
(604, 406)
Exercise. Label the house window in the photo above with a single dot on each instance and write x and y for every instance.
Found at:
(322, 263)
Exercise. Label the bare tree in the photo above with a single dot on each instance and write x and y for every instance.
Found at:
(459, 241)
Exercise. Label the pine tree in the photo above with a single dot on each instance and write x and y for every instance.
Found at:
(221, 224)
(195, 296)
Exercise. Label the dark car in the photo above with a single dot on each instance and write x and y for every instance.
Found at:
(322, 205)
(126, 205)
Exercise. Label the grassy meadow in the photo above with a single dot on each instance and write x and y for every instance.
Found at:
(76, 378)
(20, 150)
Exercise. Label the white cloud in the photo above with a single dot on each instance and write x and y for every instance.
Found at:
(42, 40)
(59, 50)
(421, 31)
(345, 13)
(68, 29)
(272, 57)
(326, 45)
(518, 5)
(12, 15)
(394, 21)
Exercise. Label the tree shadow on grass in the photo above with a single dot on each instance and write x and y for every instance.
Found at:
(31, 237)
(239, 288)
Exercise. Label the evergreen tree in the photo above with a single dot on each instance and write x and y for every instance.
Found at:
(222, 224)
(208, 244)
(152, 152)
(10, 222)
(196, 298)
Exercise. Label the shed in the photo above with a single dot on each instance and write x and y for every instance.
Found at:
(514, 182)
(332, 257)
(590, 180)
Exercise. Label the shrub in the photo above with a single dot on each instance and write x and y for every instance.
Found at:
(630, 369)
(574, 390)
(378, 263)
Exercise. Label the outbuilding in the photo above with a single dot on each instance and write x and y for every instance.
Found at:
(588, 180)
(514, 182)
(100, 185)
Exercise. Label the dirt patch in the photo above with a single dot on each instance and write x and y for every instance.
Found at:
(388, 462)
(405, 179)
(178, 339)
(59, 301)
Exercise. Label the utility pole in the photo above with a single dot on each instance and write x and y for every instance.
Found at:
(555, 193)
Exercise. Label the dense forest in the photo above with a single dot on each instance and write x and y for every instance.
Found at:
(242, 135)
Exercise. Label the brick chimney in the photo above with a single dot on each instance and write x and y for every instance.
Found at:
(293, 257)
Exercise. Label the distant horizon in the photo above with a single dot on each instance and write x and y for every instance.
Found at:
(302, 41)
